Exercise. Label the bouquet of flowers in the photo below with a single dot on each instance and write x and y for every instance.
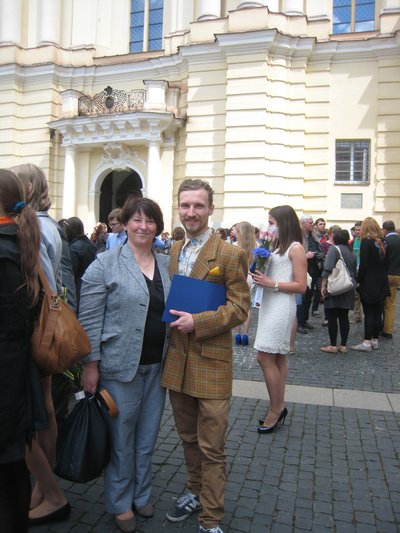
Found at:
(261, 256)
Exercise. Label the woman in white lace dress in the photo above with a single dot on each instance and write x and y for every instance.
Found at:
(285, 275)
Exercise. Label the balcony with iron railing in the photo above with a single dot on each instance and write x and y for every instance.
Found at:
(111, 101)
(138, 115)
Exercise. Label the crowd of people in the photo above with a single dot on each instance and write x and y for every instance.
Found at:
(371, 256)
(118, 281)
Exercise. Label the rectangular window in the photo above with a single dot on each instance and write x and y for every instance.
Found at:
(352, 161)
(137, 26)
(353, 16)
(155, 24)
(146, 25)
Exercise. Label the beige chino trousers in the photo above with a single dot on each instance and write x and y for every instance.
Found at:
(390, 304)
(202, 424)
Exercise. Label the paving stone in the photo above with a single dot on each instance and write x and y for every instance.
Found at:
(328, 469)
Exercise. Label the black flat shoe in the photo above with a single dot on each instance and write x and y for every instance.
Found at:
(281, 418)
(302, 330)
(55, 516)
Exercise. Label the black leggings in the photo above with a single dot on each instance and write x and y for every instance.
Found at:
(372, 319)
(333, 315)
(15, 497)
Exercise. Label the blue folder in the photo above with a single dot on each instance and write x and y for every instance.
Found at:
(193, 296)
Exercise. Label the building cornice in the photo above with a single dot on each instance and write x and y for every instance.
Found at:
(175, 67)
(358, 50)
(138, 128)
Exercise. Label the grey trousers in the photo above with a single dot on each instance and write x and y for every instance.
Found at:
(128, 477)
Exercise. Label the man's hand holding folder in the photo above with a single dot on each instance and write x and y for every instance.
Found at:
(190, 296)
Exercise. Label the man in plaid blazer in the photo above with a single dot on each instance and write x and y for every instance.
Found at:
(198, 366)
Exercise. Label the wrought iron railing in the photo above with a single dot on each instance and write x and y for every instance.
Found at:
(111, 101)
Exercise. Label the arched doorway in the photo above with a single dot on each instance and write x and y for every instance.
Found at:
(116, 187)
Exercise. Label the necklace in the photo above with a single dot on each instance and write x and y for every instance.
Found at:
(145, 266)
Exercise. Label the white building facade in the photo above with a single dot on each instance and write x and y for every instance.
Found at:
(274, 102)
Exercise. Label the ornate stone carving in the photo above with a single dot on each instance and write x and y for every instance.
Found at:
(111, 101)
(116, 156)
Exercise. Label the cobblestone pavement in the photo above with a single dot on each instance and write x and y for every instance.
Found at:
(379, 372)
(328, 469)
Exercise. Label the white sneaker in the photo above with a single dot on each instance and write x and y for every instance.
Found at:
(216, 529)
(184, 507)
(375, 344)
(362, 347)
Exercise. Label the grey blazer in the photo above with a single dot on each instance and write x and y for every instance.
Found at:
(113, 310)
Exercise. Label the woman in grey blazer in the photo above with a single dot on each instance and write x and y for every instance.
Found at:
(122, 300)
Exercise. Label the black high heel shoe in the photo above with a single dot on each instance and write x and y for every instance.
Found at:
(282, 417)
(269, 429)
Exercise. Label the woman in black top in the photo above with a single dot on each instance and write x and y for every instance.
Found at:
(19, 291)
(373, 284)
(122, 301)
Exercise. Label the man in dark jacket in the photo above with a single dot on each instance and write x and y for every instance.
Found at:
(68, 281)
(82, 251)
(314, 262)
(392, 261)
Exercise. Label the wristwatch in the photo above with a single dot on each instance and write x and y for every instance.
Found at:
(276, 286)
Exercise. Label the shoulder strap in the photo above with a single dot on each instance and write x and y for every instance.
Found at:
(341, 257)
(290, 247)
(45, 284)
(338, 249)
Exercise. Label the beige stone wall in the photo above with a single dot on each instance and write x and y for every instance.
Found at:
(26, 107)
(387, 192)
(265, 96)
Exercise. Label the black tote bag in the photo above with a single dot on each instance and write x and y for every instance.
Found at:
(84, 445)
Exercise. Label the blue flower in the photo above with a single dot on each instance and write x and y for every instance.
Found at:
(261, 256)
(261, 252)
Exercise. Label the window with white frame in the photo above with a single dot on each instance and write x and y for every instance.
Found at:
(146, 25)
(353, 16)
(352, 161)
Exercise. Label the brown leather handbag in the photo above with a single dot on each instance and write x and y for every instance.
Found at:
(108, 401)
(58, 339)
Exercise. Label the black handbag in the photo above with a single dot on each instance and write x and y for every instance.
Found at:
(84, 444)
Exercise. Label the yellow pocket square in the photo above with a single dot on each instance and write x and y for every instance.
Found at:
(216, 271)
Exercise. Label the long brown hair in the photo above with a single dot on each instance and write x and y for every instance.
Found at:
(288, 225)
(37, 188)
(12, 199)
(370, 228)
(246, 239)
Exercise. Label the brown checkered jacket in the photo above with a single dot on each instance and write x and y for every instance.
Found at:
(200, 363)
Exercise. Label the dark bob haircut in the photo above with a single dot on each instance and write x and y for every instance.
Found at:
(144, 206)
(341, 236)
(73, 228)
